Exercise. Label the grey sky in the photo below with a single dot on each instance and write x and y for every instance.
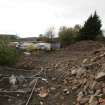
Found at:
(32, 17)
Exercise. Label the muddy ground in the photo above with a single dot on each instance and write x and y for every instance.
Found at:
(54, 73)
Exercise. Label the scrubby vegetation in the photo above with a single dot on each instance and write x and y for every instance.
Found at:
(68, 35)
(8, 55)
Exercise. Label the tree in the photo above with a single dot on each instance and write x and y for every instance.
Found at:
(67, 35)
(91, 28)
(43, 38)
(50, 34)
(9, 37)
(77, 27)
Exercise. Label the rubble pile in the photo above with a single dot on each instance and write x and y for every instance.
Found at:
(86, 79)
(93, 80)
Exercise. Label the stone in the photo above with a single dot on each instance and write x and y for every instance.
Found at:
(9, 100)
(97, 92)
(21, 79)
(100, 76)
(41, 103)
(43, 92)
(12, 80)
(66, 91)
(84, 101)
(93, 100)
(80, 95)
(102, 101)
(52, 88)
(103, 90)
(74, 72)
(27, 53)
(80, 71)
(31, 84)
(53, 79)
(85, 60)
(93, 85)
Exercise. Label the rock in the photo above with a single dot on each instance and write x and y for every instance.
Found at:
(102, 55)
(31, 84)
(84, 101)
(14, 87)
(18, 95)
(12, 80)
(80, 96)
(74, 72)
(56, 65)
(41, 103)
(93, 100)
(53, 79)
(93, 59)
(43, 92)
(100, 76)
(44, 79)
(97, 92)
(9, 99)
(85, 60)
(27, 53)
(93, 85)
(80, 71)
(103, 90)
(74, 87)
(66, 91)
(21, 79)
(52, 88)
(102, 101)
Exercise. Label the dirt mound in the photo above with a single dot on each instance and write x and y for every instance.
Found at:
(85, 46)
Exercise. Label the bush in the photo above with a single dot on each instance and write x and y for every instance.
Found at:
(68, 36)
(8, 55)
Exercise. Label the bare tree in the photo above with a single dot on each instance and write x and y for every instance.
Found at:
(50, 34)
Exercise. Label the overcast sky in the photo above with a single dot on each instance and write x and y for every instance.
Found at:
(33, 17)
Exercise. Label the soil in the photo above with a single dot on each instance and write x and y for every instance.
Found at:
(57, 66)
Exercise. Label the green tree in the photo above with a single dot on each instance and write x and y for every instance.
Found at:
(43, 38)
(67, 35)
(91, 28)
(50, 34)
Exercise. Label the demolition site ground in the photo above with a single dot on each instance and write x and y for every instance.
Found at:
(74, 75)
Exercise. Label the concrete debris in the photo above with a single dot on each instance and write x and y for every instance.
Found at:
(85, 60)
(93, 100)
(74, 72)
(21, 79)
(84, 101)
(27, 53)
(66, 91)
(12, 80)
(100, 76)
(80, 96)
(43, 92)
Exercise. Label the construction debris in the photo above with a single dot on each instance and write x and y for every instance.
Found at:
(72, 76)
